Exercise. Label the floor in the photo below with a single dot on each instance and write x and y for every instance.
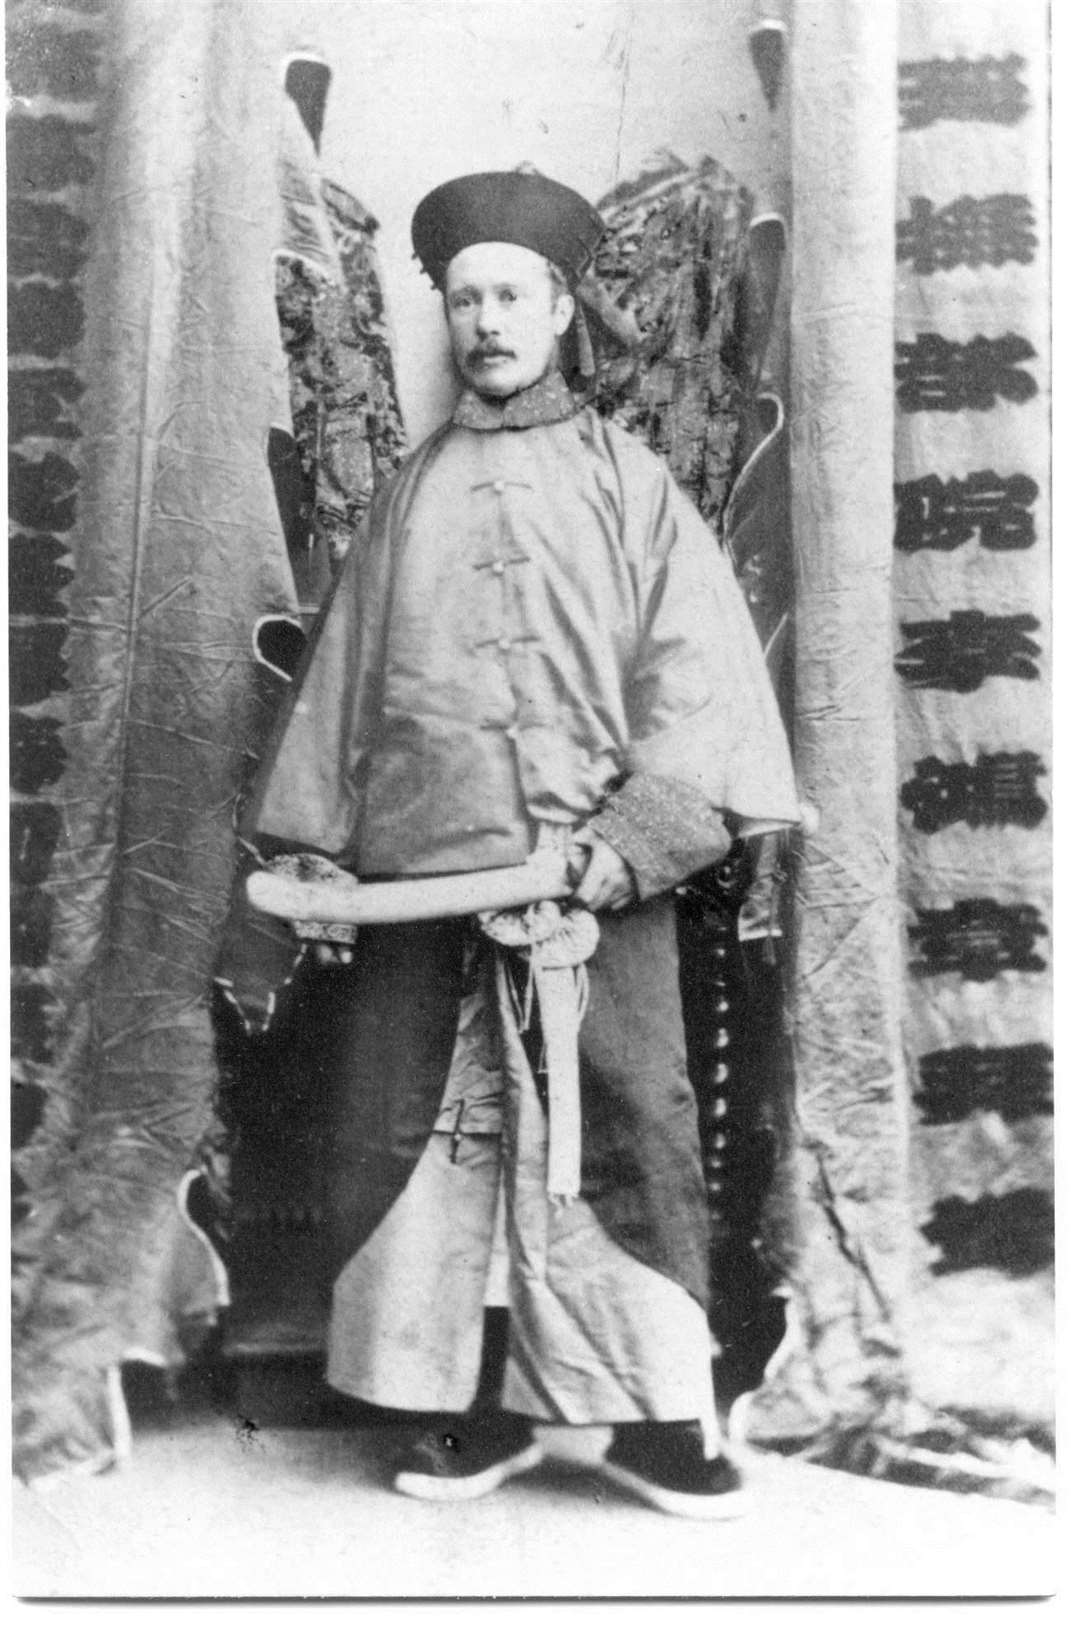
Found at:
(212, 1504)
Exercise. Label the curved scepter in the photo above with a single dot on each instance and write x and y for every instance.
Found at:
(334, 895)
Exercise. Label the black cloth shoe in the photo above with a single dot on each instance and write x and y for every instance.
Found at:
(664, 1463)
(466, 1457)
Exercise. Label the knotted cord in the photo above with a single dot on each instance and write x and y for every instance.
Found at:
(555, 941)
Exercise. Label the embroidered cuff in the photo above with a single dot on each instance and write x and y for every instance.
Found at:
(663, 829)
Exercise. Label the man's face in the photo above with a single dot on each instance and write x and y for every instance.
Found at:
(505, 316)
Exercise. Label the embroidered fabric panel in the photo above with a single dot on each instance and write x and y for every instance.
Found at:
(674, 256)
(346, 417)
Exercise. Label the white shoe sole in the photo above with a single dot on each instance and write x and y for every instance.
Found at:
(702, 1507)
(738, 1421)
(456, 1489)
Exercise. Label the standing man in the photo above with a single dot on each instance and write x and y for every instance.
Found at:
(537, 643)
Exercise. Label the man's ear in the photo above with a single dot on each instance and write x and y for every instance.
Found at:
(564, 313)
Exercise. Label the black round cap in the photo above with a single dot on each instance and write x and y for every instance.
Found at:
(506, 206)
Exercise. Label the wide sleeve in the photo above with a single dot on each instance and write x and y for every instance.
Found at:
(708, 748)
(306, 794)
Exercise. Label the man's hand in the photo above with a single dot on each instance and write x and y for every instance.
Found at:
(605, 881)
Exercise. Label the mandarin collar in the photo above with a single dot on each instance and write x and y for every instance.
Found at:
(548, 401)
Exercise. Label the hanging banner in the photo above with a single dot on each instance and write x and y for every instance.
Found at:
(972, 640)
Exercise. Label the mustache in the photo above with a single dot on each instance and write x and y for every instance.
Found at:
(481, 353)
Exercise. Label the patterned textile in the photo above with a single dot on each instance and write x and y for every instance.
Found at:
(548, 401)
(675, 258)
(345, 413)
(349, 438)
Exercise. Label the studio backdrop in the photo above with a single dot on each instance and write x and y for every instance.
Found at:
(823, 297)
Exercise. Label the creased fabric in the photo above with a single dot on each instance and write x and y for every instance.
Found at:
(596, 1332)
(177, 550)
(972, 574)
(393, 1031)
(608, 1295)
(849, 1183)
(924, 1216)
(534, 614)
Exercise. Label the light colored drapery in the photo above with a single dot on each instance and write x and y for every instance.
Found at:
(176, 551)
(849, 1178)
(921, 1284)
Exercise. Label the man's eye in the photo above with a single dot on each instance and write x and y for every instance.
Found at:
(508, 296)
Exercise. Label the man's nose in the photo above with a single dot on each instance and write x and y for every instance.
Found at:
(487, 317)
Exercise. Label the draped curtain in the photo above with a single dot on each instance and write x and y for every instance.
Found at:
(150, 545)
(176, 550)
(972, 641)
(843, 1367)
(922, 1330)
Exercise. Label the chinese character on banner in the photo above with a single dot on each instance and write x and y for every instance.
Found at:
(968, 649)
(948, 376)
(984, 89)
(936, 514)
(1013, 1081)
(977, 938)
(998, 789)
(967, 232)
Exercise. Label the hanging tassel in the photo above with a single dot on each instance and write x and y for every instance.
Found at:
(556, 943)
(559, 997)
